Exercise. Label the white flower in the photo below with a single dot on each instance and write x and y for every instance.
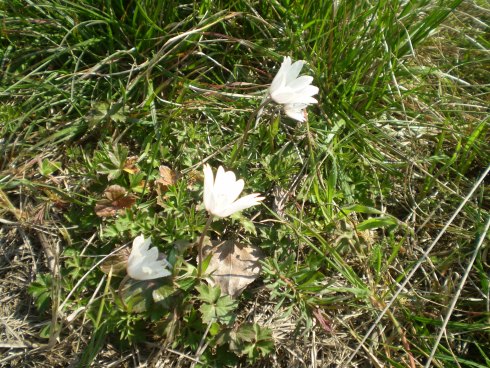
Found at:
(288, 88)
(143, 263)
(296, 111)
(220, 194)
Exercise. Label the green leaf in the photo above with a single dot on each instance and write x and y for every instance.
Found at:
(214, 307)
(252, 340)
(214, 329)
(208, 294)
(376, 258)
(162, 293)
(247, 224)
(360, 209)
(378, 222)
(139, 295)
(221, 311)
(224, 306)
(47, 167)
(41, 291)
(247, 332)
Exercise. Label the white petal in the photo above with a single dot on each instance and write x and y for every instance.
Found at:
(294, 71)
(134, 267)
(278, 82)
(234, 190)
(143, 263)
(280, 78)
(284, 96)
(309, 91)
(296, 111)
(138, 241)
(149, 273)
(226, 190)
(208, 185)
(221, 200)
(218, 181)
(296, 106)
(162, 272)
(300, 83)
(151, 255)
(140, 246)
(288, 88)
(241, 204)
(137, 274)
(224, 179)
(145, 245)
(155, 270)
(303, 99)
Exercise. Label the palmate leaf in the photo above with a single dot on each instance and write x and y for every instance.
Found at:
(252, 340)
(41, 291)
(215, 307)
(208, 294)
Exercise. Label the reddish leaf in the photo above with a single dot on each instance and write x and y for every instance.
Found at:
(325, 323)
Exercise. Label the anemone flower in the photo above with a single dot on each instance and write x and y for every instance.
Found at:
(292, 91)
(221, 193)
(143, 262)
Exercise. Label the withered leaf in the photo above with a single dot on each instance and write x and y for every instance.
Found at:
(167, 177)
(233, 266)
(193, 177)
(322, 320)
(116, 201)
(117, 261)
(280, 199)
(130, 165)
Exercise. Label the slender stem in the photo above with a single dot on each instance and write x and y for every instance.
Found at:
(202, 345)
(256, 114)
(201, 241)
(120, 289)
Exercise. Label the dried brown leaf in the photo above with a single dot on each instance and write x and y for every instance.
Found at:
(233, 266)
(167, 177)
(193, 177)
(130, 165)
(116, 201)
(117, 261)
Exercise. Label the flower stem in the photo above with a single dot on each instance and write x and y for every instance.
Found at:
(120, 289)
(255, 115)
(201, 241)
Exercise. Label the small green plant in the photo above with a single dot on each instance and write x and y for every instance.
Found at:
(214, 307)
(40, 289)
